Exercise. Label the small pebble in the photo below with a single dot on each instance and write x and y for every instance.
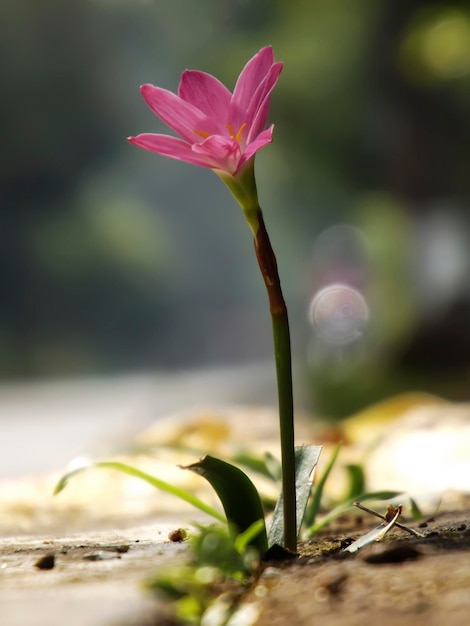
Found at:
(177, 536)
(45, 562)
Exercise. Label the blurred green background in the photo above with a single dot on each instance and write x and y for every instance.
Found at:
(114, 259)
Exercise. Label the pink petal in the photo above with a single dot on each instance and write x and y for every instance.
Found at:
(250, 77)
(262, 140)
(224, 152)
(258, 109)
(170, 147)
(206, 93)
(182, 117)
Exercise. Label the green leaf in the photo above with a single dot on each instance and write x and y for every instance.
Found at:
(306, 458)
(239, 497)
(152, 480)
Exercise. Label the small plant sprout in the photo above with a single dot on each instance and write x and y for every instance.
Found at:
(223, 131)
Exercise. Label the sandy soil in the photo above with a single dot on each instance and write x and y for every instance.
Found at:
(49, 577)
(402, 580)
(92, 578)
(98, 577)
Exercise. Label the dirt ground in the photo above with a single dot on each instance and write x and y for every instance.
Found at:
(402, 580)
(57, 569)
(93, 578)
(99, 577)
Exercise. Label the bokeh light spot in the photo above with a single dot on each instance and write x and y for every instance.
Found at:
(339, 314)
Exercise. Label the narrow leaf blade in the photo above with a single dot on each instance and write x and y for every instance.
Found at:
(152, 480)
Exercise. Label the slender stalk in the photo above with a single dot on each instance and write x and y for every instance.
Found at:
(282, 352)
(243, 187)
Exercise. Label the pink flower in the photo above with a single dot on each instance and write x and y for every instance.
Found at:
(217, 129)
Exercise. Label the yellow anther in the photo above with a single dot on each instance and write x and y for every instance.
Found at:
(231, 131)
(239, 134)
(233, 134)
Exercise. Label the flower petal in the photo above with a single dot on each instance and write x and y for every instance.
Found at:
(206, 93)
(182, 117)
(170, 147)
(250, 77)
(261, 140)
(258, 109)
(218, 130)
(224, 152)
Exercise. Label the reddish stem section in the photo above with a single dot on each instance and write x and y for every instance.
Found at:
(268, 266)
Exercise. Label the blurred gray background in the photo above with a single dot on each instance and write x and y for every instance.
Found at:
(115, 260)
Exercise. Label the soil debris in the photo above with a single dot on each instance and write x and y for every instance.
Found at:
(46, 562)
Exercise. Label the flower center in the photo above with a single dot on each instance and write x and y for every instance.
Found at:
(237, 136)
(233, 134)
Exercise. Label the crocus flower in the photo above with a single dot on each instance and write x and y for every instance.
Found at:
(223, 131)
(217, 129)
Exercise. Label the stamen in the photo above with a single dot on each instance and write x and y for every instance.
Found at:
(231, 131)
(233, 134)
(239, 134)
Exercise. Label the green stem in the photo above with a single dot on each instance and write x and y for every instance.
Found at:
(243, 187)
(282, 352)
